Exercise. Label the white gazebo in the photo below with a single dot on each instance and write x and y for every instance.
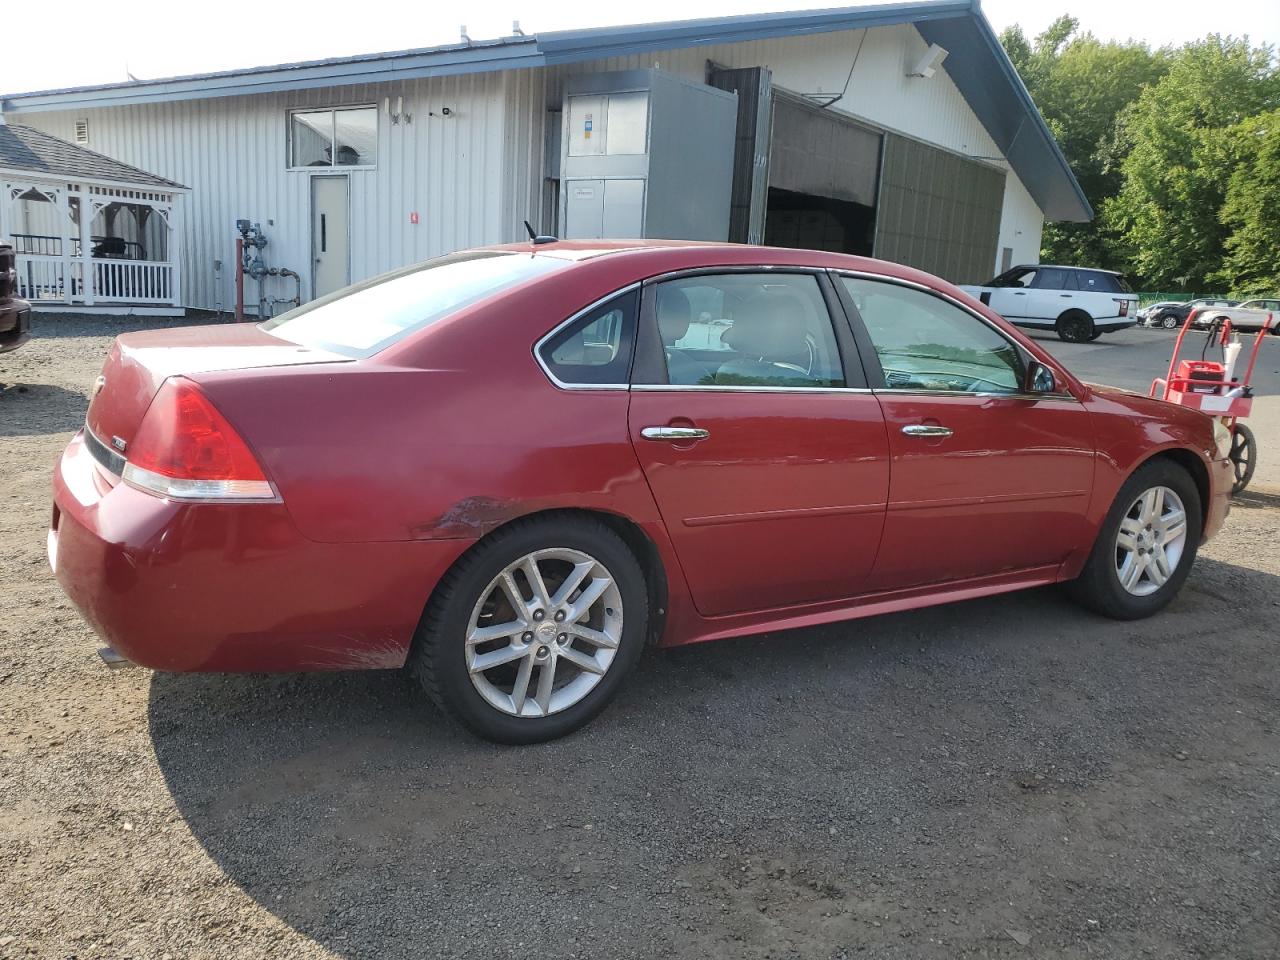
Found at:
(91, 234)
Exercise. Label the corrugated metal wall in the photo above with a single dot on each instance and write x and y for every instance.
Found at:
(452, 171)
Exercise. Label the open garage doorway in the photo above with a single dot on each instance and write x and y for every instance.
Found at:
(819, 223)
(840, 185)
(824, 172)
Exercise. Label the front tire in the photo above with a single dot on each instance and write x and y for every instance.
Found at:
(1146, 544)
(1169, 321)
(532, 632)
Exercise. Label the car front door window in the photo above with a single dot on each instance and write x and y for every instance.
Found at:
(926, 344)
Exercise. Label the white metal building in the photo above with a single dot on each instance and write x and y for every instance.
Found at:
(899, 130)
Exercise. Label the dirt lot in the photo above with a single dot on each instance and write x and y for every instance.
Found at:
(1003, 778)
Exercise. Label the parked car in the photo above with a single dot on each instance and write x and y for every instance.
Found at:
(1248, 317)
(512, 468)
(15, 314)
(1172, 317)
(1078, 303)
(1147, 315)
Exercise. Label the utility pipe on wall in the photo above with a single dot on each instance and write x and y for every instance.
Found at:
(239, 279)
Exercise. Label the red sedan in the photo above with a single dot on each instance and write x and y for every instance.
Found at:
(509, 469)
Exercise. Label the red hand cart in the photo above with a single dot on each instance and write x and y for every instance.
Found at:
(1212, 387)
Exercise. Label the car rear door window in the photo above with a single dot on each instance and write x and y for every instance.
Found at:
(927, 344)
(596, 348)
(747, 330)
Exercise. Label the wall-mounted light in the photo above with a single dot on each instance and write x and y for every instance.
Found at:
(929, 63)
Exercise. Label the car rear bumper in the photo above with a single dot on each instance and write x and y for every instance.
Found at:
(231, 587)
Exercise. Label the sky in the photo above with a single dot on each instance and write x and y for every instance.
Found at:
(161, 38)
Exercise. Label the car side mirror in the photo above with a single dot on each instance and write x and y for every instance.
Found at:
(1040, 378)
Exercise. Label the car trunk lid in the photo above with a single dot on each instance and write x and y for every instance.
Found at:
(140, 362)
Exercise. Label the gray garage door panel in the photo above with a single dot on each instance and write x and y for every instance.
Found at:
(938, 211)
(754, 87)
(822, 154)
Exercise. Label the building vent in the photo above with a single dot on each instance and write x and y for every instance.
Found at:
(82, 131)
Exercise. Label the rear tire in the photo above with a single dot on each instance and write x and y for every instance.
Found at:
(1095, 335)
(587, 655)
(1075, 327)
(1142, 556)
(1168, 321)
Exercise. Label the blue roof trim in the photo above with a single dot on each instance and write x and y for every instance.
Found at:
(1009, 115)
(571, 45)
(977, 65)
(481, 57)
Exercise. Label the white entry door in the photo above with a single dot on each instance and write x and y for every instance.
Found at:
(331, 264)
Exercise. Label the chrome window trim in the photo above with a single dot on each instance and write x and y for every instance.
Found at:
(734, 268)
(988, 394)
(924, 288)
(542, 341)
(742, 388)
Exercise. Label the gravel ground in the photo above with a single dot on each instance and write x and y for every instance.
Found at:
(1003, 778)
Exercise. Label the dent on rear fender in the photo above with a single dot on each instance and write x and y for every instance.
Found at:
(356, 653)
(469, 518)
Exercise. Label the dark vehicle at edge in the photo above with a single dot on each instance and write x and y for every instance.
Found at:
(15, 314)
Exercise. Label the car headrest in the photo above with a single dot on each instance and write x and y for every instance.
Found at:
(674, 313)
(768, 326)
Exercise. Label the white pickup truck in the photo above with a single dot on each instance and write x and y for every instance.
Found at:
(1248, 317)
(1079, 303)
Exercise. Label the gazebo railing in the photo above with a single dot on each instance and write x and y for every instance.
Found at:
(58, 279)
(103, 247)
(132, 281)
(42, 277)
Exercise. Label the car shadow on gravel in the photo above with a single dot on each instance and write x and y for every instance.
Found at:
(837, 788)
(39, 409)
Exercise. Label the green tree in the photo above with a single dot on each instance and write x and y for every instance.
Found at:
(1081, 84)
(1179, 155)
(1251, 211)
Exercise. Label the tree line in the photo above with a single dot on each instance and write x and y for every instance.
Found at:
(1177, 149)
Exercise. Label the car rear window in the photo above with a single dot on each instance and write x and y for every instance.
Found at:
(363, 319)
(1099, 281)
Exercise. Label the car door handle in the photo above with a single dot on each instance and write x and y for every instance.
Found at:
(675, 433)
(1065, 296)
(1019, 293)
(926, 430)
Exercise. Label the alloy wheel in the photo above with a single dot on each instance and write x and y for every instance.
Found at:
(544, 632)
(1150, 542)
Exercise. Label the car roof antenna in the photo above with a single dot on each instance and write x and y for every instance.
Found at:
(536, 237)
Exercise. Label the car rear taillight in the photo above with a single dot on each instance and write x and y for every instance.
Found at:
(186, 449)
